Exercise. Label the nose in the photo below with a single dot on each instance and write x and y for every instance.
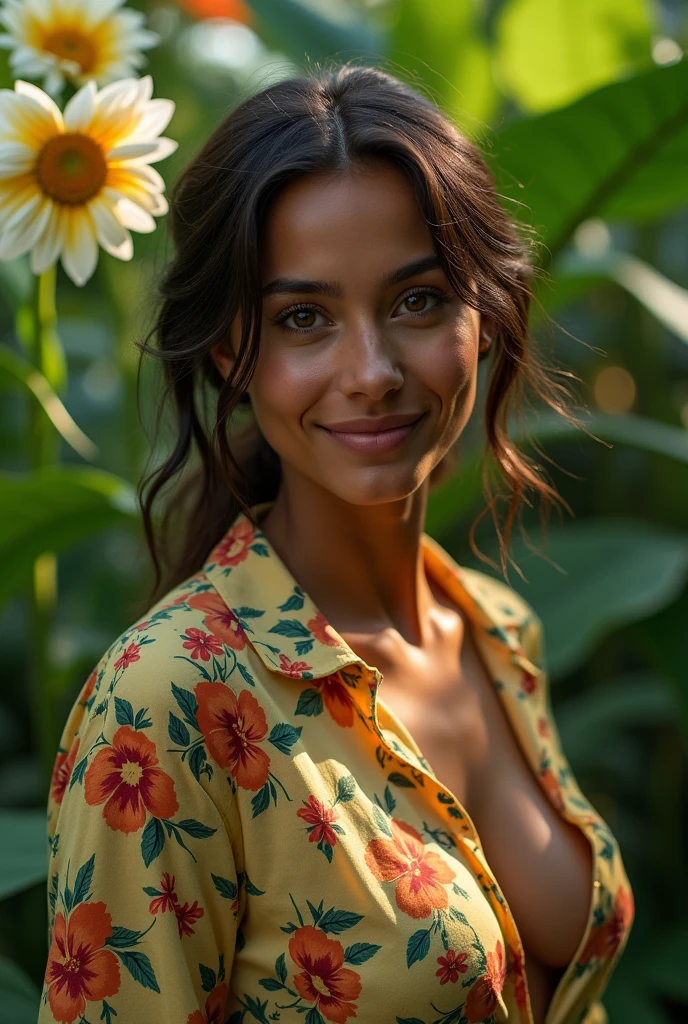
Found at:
(369, 361)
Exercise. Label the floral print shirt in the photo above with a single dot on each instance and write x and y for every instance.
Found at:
(240, 830)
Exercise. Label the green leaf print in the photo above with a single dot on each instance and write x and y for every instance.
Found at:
(152, 841)
(139, 966)
(124, 713)
(397, 779)
(314, 1016)
(294, 602)
(336, 921)
(359, 952)
(284, 736)
(225, 886)
(281, 968)
(291, 628)
(188, 704)
(381, 820)
(346, 789)
(310, 703)
(178, 732)
(195, 828)
(208, 978)
(261, 801)
(418, 946)
(246, 675)
(83, 881)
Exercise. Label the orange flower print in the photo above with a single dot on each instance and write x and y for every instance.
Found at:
(420, 873)
(130, 653)
(319, 818)
(543, 728)
(552, 789)
(293, 668)
(88, 687)
(606, 938)
(451, 964)
(323, 980)
(125, 776)
(214, 1007)
(322, 630)
(336, 699)
(233, 548)
(62, 771)
(202, 645)
(517, 968)
(528, 682)
(78, 967)
(233, 728)
(486, 992)
(220, 620)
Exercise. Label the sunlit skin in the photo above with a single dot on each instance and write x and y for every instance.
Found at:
(348, 525)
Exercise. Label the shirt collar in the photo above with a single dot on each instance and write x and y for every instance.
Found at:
(292, 636)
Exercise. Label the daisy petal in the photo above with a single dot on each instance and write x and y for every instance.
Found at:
(15, 158)
(80, 249)
(78, 112)
(134, 216)
(42, 99)
(49, 245)
(112, 235)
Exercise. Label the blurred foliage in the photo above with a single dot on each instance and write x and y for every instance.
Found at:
(582, 110)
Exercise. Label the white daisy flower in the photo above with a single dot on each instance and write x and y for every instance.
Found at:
(72, 181)
(73, 39)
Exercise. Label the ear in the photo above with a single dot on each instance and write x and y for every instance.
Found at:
(223, 358)
(488, 327)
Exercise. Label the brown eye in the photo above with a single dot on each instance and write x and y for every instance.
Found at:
(416, 302)
(304, 317)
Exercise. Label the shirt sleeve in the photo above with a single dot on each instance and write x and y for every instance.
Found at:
(144, 876)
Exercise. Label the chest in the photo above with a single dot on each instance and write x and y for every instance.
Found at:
(542, 862)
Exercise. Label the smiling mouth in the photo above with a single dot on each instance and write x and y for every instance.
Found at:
(375, 442)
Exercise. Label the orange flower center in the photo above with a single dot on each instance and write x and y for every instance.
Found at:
(73, 964)
(319, 985)
(69, 43)
(131, 773)
(71, 168)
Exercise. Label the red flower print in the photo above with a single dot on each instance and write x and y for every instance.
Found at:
(320, 818)
(130, 653)
(450, 966)
(62, 771)
(323, 980)
(233, 548)
(78, 967)
(322, 630)
(233, 728)
(202, 645)
(517, 967)
(125, 776)
(214, 1007)
(420, 873)
(606, 938)
(186, 916)
(485, 993)
(336, 698)
(168, 898)
(293, 668)
(220, 620)
(543, 728)
(528, 682)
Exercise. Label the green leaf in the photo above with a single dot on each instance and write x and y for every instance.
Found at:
(20, 997)
(55, 509)
(549, 52)
(616, 571)
(15, 371)
(23, 850)
(139, 966)
(225, 886)
(336, 921)
(152, 841)
(83, 880)
(177, 731)
(438, 48)
(310, 702)
(284, 736)
(667, 301)
(418, 946)
(360, 952)
(304, 31)
(124, 713)
(617, 153)
(346, 788)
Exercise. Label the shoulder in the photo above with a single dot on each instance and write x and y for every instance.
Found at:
(508, 610)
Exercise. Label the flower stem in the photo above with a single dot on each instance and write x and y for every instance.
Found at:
(43, 450)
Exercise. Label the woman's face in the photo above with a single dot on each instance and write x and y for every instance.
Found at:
(359, 322)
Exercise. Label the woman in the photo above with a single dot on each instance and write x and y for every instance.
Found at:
(320, 780)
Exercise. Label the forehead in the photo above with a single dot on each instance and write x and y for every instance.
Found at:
(327, 224)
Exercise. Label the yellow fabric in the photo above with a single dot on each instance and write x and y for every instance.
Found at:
(239, 829)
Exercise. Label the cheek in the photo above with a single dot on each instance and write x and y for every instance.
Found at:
(285, 385)
(449, 365)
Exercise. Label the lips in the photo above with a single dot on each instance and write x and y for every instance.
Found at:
(374, 441)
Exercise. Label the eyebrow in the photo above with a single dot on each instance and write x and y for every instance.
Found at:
(334, 290)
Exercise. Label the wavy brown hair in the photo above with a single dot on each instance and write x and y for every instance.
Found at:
(328, 120)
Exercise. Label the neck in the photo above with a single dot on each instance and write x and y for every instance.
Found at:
(362, 565)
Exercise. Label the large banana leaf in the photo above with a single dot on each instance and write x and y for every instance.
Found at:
(19, 996)
(550, 52)
(52, 510)
(612, 572)
(23, 850)
(461, 495)
(619, 153)
(304, 32)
